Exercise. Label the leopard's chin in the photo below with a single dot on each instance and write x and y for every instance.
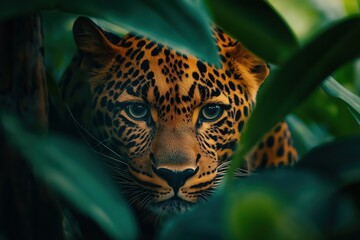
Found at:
(171, 207)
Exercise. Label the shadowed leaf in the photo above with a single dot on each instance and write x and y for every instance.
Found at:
(70, 170)
(180, 24)
(338, 160)
(335, 89)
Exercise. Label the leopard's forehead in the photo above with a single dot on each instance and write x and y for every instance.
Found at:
(171, 82)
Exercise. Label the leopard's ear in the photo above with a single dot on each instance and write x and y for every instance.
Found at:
(250, 65)
(94, 46)
(247, 66)
(251, 68)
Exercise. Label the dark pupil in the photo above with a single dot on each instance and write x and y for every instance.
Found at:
(138, 109)
(211, 111)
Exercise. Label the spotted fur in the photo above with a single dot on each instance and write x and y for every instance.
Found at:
(176, 154)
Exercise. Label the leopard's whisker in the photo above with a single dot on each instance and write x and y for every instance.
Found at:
(79, 126)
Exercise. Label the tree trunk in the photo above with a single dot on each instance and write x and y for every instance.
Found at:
(27, 209)
(23, 87)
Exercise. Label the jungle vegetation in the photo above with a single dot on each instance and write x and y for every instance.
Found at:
(313, 49)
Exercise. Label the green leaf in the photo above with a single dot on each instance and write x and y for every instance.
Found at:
(304, 137)
(205, 224)
(355, 114)
(180, 24)
(338, 160)
(257, 25)
(333, 88)
(261, 211)
(57, 28)
(276, 204)
(70, 169)
(297, 78)
(304, 202)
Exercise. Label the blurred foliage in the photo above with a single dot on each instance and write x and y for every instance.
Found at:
(311, 201)
(58, 41)
(178, 23)
(74, 175)
(307, 18)
(317, 199)
(335, 89)
(306, 136)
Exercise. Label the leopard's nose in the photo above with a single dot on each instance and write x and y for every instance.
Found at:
(175, 179)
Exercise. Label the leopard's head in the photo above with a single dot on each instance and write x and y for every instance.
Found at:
(176, 119)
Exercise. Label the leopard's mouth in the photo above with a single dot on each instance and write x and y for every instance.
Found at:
(172, 206)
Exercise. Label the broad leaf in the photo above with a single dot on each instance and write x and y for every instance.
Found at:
(333, 88)
(297, 78)
(178, 23)
(306, 138)
(257, 25)
(338, 160)
(276, 204)
(70, 169)
(202, 223)
(267, 206)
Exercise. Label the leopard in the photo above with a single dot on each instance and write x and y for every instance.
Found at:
(169, 121)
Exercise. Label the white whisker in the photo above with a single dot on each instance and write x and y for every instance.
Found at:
(80, 127)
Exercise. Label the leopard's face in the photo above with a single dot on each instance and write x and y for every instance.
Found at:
(175, 118)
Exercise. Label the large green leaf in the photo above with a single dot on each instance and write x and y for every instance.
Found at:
(179, 23)
(297, 78)
(304, 202)
(70, 169)
(202, 223)
(272, 206)
(335, 89)
(338, 160)
(256, 24)
(276, 204)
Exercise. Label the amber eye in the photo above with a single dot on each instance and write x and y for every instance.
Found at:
(137, 111)
(211, 112)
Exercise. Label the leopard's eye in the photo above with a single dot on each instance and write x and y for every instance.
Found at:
(137, 111)
(211, 112)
